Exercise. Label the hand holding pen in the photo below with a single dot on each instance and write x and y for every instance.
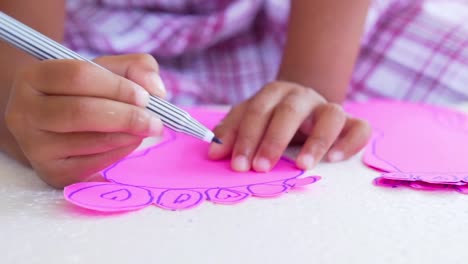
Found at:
(73, 119)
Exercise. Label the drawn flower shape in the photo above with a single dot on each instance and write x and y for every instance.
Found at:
(176, 174)
(416, 145)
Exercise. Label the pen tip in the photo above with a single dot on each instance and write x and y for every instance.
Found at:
(217, 140)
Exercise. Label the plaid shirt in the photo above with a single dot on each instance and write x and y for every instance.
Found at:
(223, 51)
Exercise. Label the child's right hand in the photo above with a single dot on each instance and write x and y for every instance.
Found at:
(73, 119)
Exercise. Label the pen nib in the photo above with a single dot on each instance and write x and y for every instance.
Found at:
(217, 140)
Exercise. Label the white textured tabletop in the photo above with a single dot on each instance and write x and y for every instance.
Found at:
(341, 219)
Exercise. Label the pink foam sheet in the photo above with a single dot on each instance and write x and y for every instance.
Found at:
(176, 174)
(416, 145)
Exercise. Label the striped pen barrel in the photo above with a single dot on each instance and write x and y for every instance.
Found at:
(29, 40)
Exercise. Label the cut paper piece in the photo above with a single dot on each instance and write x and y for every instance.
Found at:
(420, 185)
(176, 174)
(415, 145)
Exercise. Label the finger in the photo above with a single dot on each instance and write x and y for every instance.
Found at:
(139, 68)
(286, 120)
(226, 130)
(252, 127)
(79, 168)
(63, 145)
(355, 135)
(63, 114)
(329, 120)
(78, 78)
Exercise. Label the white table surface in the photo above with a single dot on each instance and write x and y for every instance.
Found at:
(341, 219)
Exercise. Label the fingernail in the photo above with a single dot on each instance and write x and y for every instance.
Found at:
(214, 149)
(262, 164)
(240, 163)
(155, 126)
(307, 161)
(335, 156)
(142, 96)
(158, 83)
(161, 83)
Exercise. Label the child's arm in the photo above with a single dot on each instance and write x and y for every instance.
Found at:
(322, 44)
(69, 119)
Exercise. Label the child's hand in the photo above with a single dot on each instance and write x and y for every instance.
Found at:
(257, 131)
(72, 119)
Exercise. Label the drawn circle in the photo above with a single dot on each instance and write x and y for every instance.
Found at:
(108, 197)
(267, 190)
(175, 199)
(226, 195)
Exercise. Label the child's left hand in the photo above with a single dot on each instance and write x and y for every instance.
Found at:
(257, 131)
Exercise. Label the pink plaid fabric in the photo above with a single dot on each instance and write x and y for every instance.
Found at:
(223, 51)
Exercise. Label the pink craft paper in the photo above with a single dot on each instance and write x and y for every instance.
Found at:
(416, 143)
(176, 174)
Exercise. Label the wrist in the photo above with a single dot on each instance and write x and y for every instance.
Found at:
(333, 87)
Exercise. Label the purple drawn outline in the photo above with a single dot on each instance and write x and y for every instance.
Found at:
(285, 188)
(379, 136)
(293, 185)
(241, 195)
(150, 194)
(172, 137)
(129, 195)
(166, 139)
(200, 198)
